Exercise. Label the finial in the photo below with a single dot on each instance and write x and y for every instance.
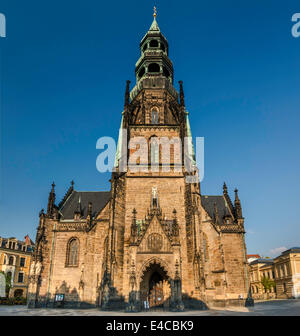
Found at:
(236, 193)
(72, 183)
(53, 186)
(154, 12)
(224, 188)
(90, 209)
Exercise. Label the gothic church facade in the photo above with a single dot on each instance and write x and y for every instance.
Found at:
(154, 237)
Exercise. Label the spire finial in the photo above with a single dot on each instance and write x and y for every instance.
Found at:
(236, 193)
(154, 12)
(224, 188)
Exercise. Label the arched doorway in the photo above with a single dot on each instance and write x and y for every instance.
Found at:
(154, 287)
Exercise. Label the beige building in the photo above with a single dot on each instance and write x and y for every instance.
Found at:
(283, 273)
(154, 237)
(287, 273)
(15, 258)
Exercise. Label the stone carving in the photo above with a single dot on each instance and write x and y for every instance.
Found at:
(32, 268)
(155, 242)
(38, 268)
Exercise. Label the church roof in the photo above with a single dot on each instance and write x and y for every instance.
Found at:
(98, 199)
(210, 202)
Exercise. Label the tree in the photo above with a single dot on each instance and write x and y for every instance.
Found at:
(7, 282)
(267, 283)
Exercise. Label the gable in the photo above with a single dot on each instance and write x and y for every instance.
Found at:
(154, 240)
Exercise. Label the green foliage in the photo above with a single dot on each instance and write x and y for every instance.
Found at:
(267, 283)
(7, 282)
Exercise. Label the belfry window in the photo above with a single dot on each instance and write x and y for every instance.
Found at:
(153, 44)
(153, 67)
(162, 47)
(154, 117)
(141, 72)
(166, 72)
(72, 252)
(145, 47)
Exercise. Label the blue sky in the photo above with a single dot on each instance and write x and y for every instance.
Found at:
(63, 70)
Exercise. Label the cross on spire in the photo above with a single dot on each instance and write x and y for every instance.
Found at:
(154, 12)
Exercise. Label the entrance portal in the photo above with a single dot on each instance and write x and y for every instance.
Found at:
(155, 289)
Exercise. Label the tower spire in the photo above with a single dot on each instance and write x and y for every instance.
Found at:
(154, 12)
(51, 200)
(237, 205)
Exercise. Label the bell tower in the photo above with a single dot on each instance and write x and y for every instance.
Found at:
(151, 233)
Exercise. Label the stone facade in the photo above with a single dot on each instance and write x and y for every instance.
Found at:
(283, 272)
(154, 237)
(15, 259)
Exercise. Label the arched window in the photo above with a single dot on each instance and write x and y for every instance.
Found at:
(162, 47)
(145, 47)
(154, 151)
(153, 67)
(154, 116)
(153, 44)
(72, 252)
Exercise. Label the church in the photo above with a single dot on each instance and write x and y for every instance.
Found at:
(154, 240)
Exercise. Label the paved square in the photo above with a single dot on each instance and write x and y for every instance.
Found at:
(266, 308)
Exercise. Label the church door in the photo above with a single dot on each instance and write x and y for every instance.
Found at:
(156, 297)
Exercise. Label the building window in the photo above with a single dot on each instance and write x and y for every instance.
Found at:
(154, 117)
(154, 151)
(153, 44)
(153, 67)
(18, 293)
(11, 261)
(72, 252)
(155, 242)
(22, 262)
(21, 277)
(205, 250)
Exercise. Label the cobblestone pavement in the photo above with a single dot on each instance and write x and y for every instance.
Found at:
(267, 308)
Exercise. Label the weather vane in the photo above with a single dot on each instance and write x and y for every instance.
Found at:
(154, 14)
